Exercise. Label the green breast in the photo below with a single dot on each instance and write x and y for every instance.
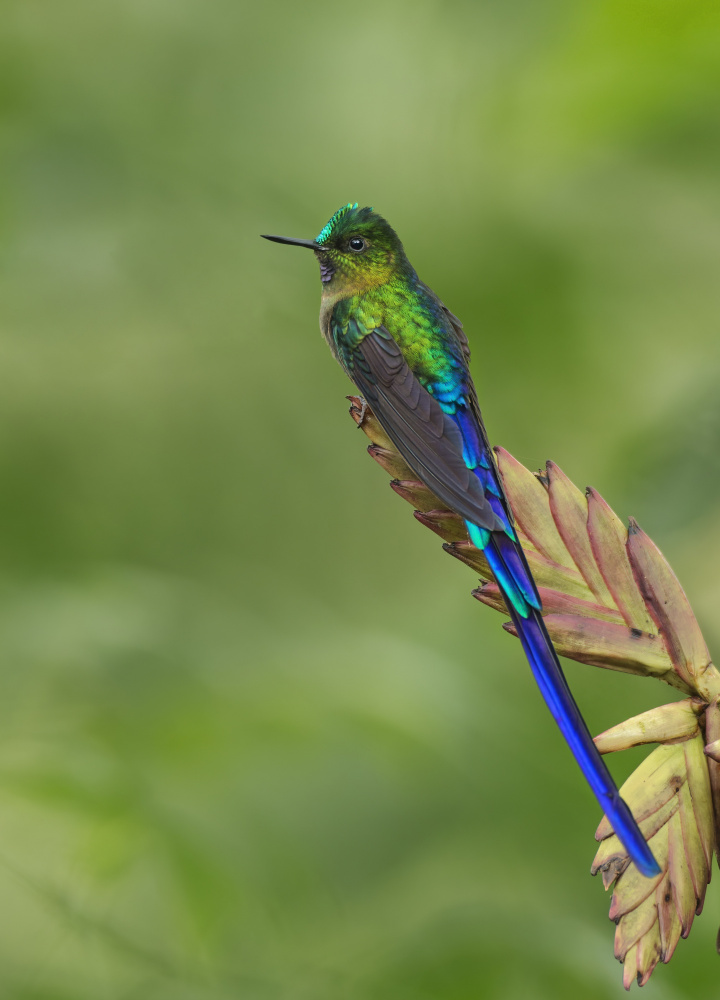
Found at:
(417, 323)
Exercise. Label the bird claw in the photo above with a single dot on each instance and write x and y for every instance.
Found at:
(358, 417)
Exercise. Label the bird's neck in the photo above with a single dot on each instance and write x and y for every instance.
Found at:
(366, 286)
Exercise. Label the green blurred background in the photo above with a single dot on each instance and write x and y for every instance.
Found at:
(256, 740)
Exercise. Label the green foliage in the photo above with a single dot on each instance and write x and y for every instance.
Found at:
(256, 741)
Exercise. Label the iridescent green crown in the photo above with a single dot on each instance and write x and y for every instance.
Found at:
(328, 228)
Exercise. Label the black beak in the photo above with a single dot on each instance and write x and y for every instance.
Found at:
(310, 244)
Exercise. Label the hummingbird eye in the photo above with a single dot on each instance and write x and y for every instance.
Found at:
(357, 244)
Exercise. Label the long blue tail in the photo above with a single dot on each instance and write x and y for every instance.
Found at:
(553, 686)
(550, 678)
(509, 566)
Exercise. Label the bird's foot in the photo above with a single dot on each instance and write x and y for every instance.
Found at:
(358, 411)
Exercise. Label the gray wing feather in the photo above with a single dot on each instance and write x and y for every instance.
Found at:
(426, 437)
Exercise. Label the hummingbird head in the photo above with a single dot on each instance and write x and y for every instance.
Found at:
(357, 250)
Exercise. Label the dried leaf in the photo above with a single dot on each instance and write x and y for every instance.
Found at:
(449, 526)
(712, 735)
(668, 921)
(606, 644)
(630, 968)
(676, 721)
(649, 951)
(416, 493)
(637, 922)
(631, 890)
(608, 538)
(670, 608)
(569, 508)
(701, 796)
(529, 502)
(390, 461)
(472, 557)
(554, 602)
(650, 823)
(651, 785)
(681, 882)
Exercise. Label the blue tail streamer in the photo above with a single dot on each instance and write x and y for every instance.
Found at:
(509, 566)
(548, 673)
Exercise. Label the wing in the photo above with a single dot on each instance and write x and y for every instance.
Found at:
(426, 437)
(472, 423)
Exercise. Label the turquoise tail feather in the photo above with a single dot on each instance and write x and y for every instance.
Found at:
(509, 567)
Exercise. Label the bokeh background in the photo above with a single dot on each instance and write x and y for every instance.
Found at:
(256, 740)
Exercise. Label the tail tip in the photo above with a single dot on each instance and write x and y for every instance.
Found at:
(647, 866)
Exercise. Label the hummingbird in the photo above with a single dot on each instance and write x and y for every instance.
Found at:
(408, 355)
